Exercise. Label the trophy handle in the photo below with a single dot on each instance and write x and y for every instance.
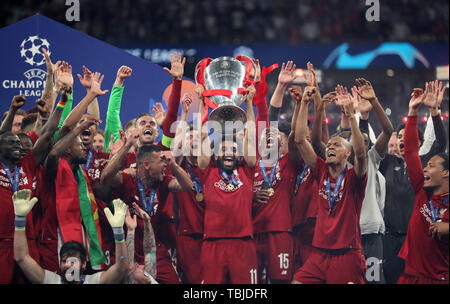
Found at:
(248, 61)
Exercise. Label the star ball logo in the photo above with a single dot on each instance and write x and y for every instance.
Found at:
(30, 49)
(31, 52)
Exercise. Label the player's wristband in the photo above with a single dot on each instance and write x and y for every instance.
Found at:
(119, 235)
(166, 141)
(20, 222)
(61, 105)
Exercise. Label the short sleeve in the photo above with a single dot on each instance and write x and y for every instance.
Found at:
(51, 278)
(321, 166)
(204, 173)
(94, 278)
(374, 157)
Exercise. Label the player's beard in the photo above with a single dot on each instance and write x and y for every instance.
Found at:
(227, 169)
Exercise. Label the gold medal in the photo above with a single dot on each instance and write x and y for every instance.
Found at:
(271, 191)
(230, 187)
(199, 197)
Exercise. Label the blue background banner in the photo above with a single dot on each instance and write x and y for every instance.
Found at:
(324, 56)
(24, 70)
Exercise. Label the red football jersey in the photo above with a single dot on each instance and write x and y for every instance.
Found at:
(129, 193)
(28, 171)
(420, 251)
(275, 214)
(96, 165)
(190, 211)
(339, 229)
(304, 202)
(228, 213)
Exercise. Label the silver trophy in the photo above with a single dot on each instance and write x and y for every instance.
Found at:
(225, 73)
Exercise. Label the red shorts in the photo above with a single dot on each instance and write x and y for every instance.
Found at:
(410, 276)
(333, 267)
(166, 272)
(189, 249)
(303, 237)
(233, 257)
(10, 272)
(275, 253)
(48, 251)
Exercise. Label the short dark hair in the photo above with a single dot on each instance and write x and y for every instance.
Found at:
(141, 115)
(284, 127)
(444, 156)
(419, 130)
(344, 134)
(72, 247)
(28, 120)
(145, 150)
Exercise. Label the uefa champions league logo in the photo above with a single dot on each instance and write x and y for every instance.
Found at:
(30, 49)
(33, 85)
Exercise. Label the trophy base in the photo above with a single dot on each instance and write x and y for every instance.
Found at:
(231, 118)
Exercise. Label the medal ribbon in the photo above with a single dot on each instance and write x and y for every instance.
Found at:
(147, 202)
(195, 180)
(434, 211)
(89, 159)
(331, 200)
(232, 181)
(14, 182)
(300, 176)
(264, 172)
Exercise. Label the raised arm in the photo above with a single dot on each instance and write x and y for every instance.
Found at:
(113, 125)
(63, 78)
(115, 273)
(17, 102)
(317, 131)
(311, 80)
(149, 242)
(250, 130)
(52, 161)
(110, 176)
(262, 114)
(433, 101)
(176, 71)
(204, 148)
(22, 206)
(296, 94)
(46, 103)
(183, 181)
(285, 78)
(131, 223)
(42, 146)
(411, 140)
(95, 90)
(301, 128)
(93, 108)
(182, 128)
(359, 149)
(50, 91)
(366, 92)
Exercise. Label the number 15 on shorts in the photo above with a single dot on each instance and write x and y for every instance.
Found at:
(284, 261)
